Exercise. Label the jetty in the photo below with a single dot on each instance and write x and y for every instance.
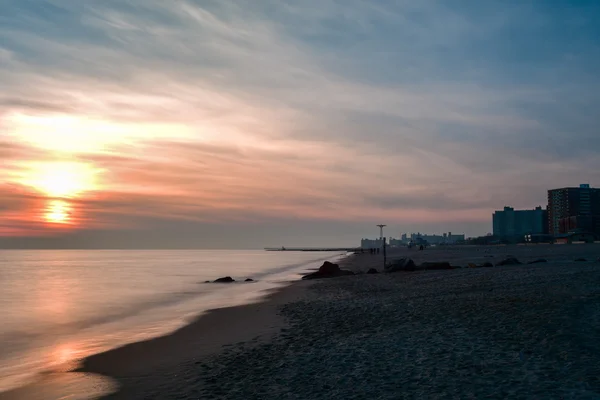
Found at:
(282, 248)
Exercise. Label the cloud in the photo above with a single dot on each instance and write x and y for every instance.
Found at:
(229, 112)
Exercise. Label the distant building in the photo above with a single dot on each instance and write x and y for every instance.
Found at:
(574, 210)
(414, 238)
(371, 243)
(445, 238)
(514, 225)
(396, 242)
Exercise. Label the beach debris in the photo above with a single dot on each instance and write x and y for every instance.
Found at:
(538, 261)
(436, 265)
(509, 261)
(402, 264)
(225, 279)
(249, 280)
(580, 260)
(328, 270)
(206, 281)
(372, 271)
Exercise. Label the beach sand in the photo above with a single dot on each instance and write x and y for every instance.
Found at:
(527, 331)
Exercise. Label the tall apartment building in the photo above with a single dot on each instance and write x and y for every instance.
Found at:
(515, 224)
(574, 209)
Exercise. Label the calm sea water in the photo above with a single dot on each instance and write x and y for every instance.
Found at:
(57, 307)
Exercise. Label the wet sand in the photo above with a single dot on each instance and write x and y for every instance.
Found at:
(137, 368)
(528, 331)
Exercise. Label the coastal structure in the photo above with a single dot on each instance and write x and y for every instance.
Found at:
(514, 225)
(574, 210)
(445, 238)
(414, 238)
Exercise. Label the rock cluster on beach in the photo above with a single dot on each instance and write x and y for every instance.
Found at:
(508, 261)
(328, 270)
(528, 332)
(408, 265)
(402, 264)
(520, 332)
(228, 279)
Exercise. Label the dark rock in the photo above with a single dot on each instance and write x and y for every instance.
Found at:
(509, 261)
(538, 261)
(403, 264)
(328, 270)
(249, 280)
(581, 260)
(226, 279)
(372, 271)
(435, 265)
(206, 281)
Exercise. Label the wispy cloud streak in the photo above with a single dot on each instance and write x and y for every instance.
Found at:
(212, 111)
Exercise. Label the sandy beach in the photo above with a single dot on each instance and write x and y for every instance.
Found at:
(523, 331)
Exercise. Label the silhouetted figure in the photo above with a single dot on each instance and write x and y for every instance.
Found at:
(378, 250)
(421, 247)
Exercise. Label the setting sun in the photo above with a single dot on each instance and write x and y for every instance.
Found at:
(62, 179)
(58, 212)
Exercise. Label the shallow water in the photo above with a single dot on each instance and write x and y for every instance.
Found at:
(57, 307)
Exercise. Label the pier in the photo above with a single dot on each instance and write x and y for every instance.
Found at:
(312, 248)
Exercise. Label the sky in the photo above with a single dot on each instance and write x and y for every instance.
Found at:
(243, 124)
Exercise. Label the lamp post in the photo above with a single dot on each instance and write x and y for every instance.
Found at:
(381, 226)
(381, 230)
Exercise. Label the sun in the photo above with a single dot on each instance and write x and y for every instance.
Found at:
(58, 212)
(62, 179)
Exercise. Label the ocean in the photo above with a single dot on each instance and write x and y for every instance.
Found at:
(59, 306)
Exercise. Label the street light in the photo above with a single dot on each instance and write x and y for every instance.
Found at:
(381, 230)
(381, 226)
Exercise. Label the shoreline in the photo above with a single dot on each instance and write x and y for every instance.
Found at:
(207, 335)
(119, 373)
(114, 373)
(302, 327)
